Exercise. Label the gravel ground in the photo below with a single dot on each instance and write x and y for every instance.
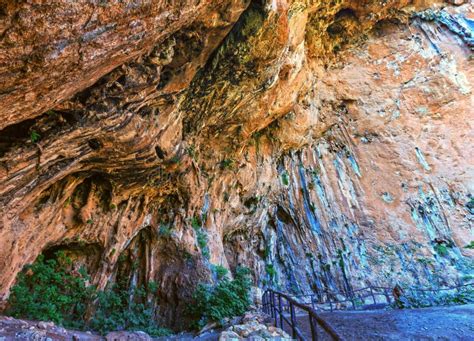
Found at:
(440, 323)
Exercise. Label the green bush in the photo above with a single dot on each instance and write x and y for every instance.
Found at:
(271, 271)
(34, 136)
(116, 310)
(285, 178)
(470, 245)
(49, 291)
(165, 231)
(201, 237)
(441, 249)
(220, 271)
(228, 298)
(52, 291)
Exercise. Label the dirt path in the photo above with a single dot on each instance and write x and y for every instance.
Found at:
(441, 323)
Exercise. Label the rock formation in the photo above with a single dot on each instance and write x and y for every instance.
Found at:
(323, 144)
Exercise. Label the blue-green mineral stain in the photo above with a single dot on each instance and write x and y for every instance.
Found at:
(421, 159)
(387, 197)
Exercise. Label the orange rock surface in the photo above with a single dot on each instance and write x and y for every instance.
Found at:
(330, 142)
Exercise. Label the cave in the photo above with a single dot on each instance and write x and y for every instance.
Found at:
(324, 145)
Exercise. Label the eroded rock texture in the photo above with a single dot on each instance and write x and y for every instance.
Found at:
(326, 145)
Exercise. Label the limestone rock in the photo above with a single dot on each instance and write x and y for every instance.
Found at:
(322, 144)
(128, 336)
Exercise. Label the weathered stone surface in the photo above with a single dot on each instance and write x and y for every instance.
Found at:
(14, 329)
(253, 328)
(128, 127)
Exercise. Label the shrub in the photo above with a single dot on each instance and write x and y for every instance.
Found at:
(165, 231)
(34, 136)
(117, 309)
(270, 269)
(470, 245)
(285, 178)
(228, 298)
(441, 249)
(50, 291)
(220, 271)
(201, 237)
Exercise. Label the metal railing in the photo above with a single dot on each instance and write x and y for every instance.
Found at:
(357, 299)
(283, 309)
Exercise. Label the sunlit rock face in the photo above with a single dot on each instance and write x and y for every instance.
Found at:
(325, 145)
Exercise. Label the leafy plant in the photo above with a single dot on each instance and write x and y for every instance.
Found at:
(270, 269)
(201, 237)
(34, 136)
(441, 249)
(49, 290)
(228, 298)
(220, 271)
(118, 309)
(227, 163)
(195, 223)
(285, 179)
(470, 245)
(165, 231)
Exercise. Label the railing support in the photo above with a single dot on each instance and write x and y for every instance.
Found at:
(281, 311)
(373, 296)
(314, 328)
(293, 320)
(275, 309)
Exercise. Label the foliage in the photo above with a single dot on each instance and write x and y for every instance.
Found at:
(220, 271)
(50, 291)
(441, 249)
(34, 136)
(424, 261)
(119, 309)
(165, 231)
(227, 163)
(270, 270)
(201, 237)
(228, 298)
(285, 178)
(470, 245)
(195, 223)
(422, 299)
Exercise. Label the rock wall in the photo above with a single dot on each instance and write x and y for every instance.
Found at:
(324, 145)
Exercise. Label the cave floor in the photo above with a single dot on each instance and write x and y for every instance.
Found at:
(438, 323)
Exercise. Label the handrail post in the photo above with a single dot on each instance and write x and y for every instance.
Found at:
(281, 312)
(272, 311)
(293, 320)
(373, 296)
(314, 327)
(275, 310)
(387, 296)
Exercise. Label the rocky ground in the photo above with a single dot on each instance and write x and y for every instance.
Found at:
(252, 326)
